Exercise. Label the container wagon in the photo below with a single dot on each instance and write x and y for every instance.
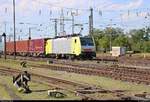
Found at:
(37, 47)
(34, 47)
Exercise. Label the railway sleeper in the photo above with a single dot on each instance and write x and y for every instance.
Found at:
(130, 75)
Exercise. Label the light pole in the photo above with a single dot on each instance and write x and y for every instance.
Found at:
(91, 22)
(110, 43)
(29, 34)
(72, 14)
(29, 38)
(55, 27)
(5, 23)
(110, 34)
(30, 28)
(14, 21)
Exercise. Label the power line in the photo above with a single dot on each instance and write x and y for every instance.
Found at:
(61, 7)
(87, 9)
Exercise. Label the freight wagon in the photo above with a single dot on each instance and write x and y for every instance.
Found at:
(60, 47)
(37, 47)
(34, 47)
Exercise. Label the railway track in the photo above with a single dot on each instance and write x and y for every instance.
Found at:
(82, 89)
(137, 75)
(119, 73)
(123, 61)
(79, 89)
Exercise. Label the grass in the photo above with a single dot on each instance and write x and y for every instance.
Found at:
(39, 91)
(144, 55)
(3, 94)
(140, 55)
(105, 83)
(99, 54)
(16, 63)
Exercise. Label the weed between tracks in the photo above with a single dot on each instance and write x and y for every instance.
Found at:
(105, 83)
(39, 91)
(3, 94)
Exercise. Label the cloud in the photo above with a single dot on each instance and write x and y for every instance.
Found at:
(134, 16)
(27, 5)
(32, 5)
(126, 17)
(131, 5)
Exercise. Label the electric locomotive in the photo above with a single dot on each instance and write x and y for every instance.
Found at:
(73, 46)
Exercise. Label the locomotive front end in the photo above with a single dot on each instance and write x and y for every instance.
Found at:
(88, 49)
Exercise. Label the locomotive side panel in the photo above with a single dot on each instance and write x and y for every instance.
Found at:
(76, 46)
(61, 46)
(48, 48)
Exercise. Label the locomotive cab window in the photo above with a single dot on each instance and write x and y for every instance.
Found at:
(87, 41)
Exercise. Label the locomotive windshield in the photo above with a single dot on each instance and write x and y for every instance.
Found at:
(87, 42)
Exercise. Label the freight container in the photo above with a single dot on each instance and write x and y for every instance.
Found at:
(37, 46)
(10, 47)
(34, 47)
(22, 46)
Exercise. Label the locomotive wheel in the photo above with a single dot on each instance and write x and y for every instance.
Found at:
(71, 57)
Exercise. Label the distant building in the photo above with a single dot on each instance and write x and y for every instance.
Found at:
(118, 51)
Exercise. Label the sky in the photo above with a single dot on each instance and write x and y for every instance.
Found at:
(126, 14)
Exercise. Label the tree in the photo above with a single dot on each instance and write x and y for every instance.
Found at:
(97, 34)
(138, 41)
(104, 43)
(121, 40)
(146, 46)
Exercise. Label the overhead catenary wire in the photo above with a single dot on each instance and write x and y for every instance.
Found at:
(101, 11)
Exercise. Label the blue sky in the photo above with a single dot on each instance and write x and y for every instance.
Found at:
(127, 14)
